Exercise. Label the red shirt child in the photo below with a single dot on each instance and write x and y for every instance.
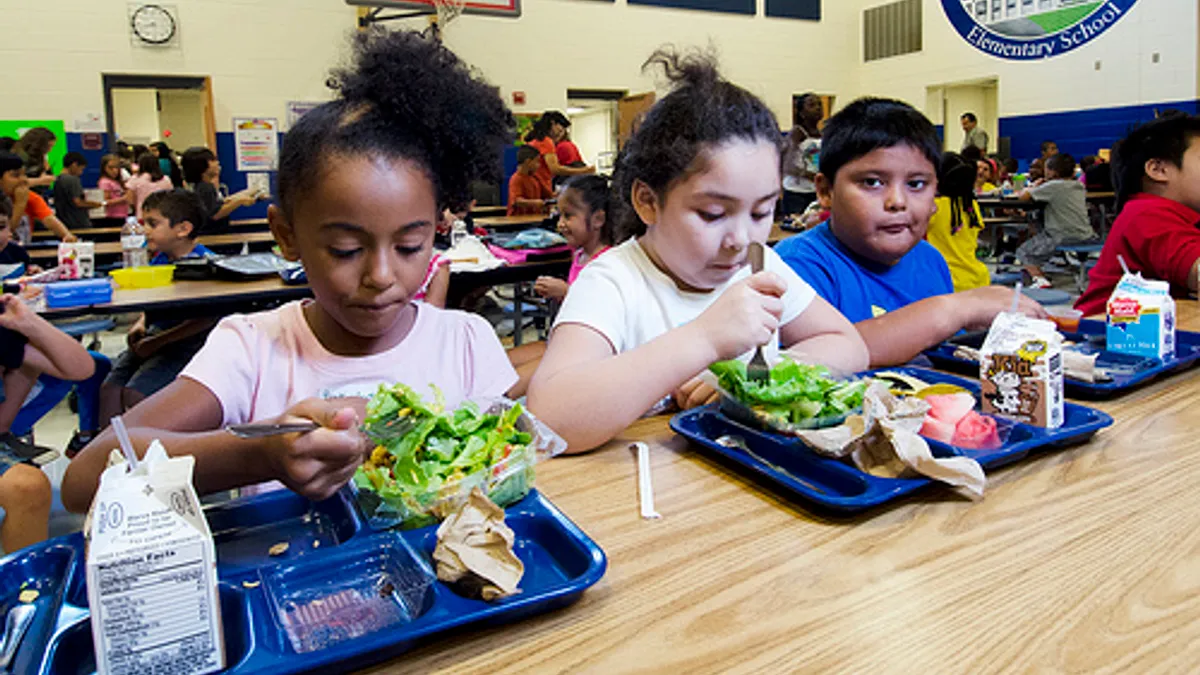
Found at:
(1156, 236)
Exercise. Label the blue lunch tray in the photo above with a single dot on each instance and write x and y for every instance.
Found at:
(1129, 371)
(836, 485)
(560, 563)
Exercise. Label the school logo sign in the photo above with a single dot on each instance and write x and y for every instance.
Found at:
(1025, 30)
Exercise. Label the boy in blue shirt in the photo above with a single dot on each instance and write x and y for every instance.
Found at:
(160, 346)
(870, 260)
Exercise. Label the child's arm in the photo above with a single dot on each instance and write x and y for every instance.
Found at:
(560, 170)
(186, 417)
(86, 204)
(55, 225)
(588, 395)
(50, 350)
(146, 346)
(439, 287)
(900, 335)
(234, 202)
(522, 202)
(822, 335)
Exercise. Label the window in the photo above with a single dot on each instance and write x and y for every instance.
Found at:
(895, 29)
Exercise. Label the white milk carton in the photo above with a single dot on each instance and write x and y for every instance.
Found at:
(1021, 371)
(77, 260)
(151, 572)
(1141, 318)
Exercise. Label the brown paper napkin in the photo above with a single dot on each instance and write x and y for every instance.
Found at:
(475, 550)
(884, 442)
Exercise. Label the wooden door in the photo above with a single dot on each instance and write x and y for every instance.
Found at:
(629, 112)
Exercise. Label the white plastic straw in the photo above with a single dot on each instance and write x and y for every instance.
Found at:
(126, 445)
(1016, 297)
(645, 489)
(1121, 259)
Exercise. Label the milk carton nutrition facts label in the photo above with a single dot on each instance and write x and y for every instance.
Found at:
(157, 612)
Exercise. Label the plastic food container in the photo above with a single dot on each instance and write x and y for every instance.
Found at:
(1066, 318)
(352, 591)
(150, 276)
(81, 293)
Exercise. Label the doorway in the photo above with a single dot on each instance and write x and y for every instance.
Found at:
(142, 109)
(949, 102)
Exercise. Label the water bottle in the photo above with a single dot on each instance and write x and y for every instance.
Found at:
(458, 231)
(133, 244)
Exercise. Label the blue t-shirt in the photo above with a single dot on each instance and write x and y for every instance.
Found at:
(863, 289)
(201, 251)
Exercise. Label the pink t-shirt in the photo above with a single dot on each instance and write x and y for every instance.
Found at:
(113, 191)
(259, 365)
(143, 187)
(577, 263)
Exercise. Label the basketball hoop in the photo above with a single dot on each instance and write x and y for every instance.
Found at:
(445, 11)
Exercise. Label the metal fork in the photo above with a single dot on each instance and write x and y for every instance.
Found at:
(757, 370)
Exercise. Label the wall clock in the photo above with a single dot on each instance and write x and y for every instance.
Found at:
(153, 24)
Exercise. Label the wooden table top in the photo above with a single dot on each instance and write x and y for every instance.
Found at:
(509, 221)
(111, 248)
(248, 225)
(1078, 560)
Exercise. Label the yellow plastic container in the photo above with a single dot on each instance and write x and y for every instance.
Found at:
(150, 276)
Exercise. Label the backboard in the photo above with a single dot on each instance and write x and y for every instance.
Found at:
(508, 8)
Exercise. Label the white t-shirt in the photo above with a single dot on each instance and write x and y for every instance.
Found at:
(625, 298)
(259, 365)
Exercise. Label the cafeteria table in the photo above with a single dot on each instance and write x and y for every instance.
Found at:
(1079, 560)
(108, 251)
(114, 233)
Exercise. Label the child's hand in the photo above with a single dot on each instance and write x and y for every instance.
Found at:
(136, 333)
(15, 315)
(980, 306)
(694, 393)
(745, 316)
(145, 347)
(318, 463)
(550, 287)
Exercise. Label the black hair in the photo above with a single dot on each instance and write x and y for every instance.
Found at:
(178, 206)
(148, 164)
(798, 104)
(956, 181)
(970, 117)
(1166, 138)
(869, 124)
(1062, 164)
(74, 158)
(139, 150)
(1047, 144)
(10, 161)
(1011, 165)
(596, 194)
(403, 97)
(972, 153)
(7, 143)
(702, 111)
(526, 153)
(195, 163)
(6, 206)
(164, 152)
(541, 128)
(1087, 162)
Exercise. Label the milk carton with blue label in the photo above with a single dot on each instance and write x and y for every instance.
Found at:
(1141, 318)
(1021, 371)
(151, 572)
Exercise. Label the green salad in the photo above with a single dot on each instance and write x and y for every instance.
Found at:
(795, 394)
(426, 458)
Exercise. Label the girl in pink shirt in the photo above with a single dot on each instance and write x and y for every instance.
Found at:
(362, 181)
(148, 180)
(110, 183)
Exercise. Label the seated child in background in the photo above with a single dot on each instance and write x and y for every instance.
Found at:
(159, 346)
(148, 180)
(879, 172)
(985, 176)
(702, 176)
(29, 347)
(117, 198)
(1157, 171)
(1065, 220)
(363, 181)
(28, 207)
(202, 173)
(12, 253)
(955, 225)
(586, 219)
(527, 194)
(69, 203)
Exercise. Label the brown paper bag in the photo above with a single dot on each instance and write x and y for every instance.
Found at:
(475, 550)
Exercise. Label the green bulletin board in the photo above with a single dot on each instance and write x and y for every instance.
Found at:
(14, 129)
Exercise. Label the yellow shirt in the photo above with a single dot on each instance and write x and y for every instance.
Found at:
(966, 270)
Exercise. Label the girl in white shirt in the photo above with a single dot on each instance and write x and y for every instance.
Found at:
(701, 177)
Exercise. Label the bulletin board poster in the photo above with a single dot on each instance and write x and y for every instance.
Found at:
(14, 129)
(256, 140)
(298, 109)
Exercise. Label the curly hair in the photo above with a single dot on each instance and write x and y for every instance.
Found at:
(703, 110)
(402, 97)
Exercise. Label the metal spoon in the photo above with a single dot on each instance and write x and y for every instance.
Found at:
(264, 430)
(15, 625)
(739, 443)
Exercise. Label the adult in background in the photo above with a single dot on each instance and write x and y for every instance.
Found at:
(551, 128)
(975, 136)
(803, 157)
(568, 155)
(34, 148)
